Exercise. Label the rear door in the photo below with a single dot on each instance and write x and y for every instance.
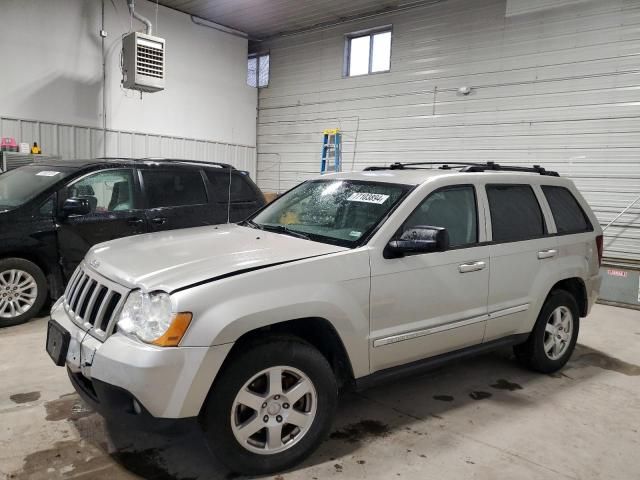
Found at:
(522, 249)
(114, 199)
(175, 198)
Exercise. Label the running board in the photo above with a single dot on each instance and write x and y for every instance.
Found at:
(431, 363)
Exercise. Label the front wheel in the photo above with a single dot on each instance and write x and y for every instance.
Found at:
(554, 335)
(23, 291)
(271, 407)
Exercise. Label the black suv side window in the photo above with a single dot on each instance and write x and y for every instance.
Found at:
(453, 208)
(173, 188)
(567, 213)
(106, 191)
(241, 191)
(515, 213)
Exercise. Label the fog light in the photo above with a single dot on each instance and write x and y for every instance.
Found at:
(136, 407)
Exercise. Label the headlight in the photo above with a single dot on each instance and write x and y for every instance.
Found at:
(149, 317)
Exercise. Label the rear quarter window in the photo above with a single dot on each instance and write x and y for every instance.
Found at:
(515, 213)
(567, 213)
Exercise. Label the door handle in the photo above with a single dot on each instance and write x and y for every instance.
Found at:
(542, 254)
(135, 221)
(471, 267)
(159, 220)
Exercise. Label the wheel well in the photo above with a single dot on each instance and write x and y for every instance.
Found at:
(316, 331)
(575, 286)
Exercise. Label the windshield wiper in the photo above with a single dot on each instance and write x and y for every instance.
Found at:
(252, 224)
(286, 230)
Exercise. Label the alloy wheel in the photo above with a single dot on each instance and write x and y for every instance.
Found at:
(18, 293)
(558, 332)
(274, 410)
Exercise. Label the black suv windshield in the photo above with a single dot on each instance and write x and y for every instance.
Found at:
(22, 184)
(340, 212)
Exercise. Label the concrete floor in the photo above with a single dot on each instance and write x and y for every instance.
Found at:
(484, 418)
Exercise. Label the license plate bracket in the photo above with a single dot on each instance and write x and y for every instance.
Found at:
(57, 342)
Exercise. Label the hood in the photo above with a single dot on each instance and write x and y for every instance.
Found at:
(177, 258)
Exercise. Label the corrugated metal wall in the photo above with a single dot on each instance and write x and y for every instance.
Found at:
(77, 142)
(559, 87)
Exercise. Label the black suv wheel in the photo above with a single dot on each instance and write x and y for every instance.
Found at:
(23, 291)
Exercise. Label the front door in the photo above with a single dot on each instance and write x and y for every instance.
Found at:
(432, 303)
(175, 198)
(113, 198)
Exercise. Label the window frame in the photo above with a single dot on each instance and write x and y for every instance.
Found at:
(589, 225)
(370, 32)
(545, 225)
(257, 56)
(145, 194)
(476, 200)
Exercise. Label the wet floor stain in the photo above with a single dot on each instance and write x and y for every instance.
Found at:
(361, 462)
(443, 398)
(503, 384)
(147, 463)
(338, 467)
(357, 432)
(25, 397)
(590, 357)
(67, 407)
(62, 459)
(480, 395)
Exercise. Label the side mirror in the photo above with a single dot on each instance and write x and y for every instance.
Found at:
(76, 206)
(419, 239)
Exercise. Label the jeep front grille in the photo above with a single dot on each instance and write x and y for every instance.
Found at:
(93, 302)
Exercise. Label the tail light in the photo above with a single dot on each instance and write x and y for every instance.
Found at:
(600, 246)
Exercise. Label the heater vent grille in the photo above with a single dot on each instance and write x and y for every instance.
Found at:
(150, 61)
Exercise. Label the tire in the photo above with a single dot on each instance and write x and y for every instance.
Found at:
(15, 272)
(224, 415)
(553, 355)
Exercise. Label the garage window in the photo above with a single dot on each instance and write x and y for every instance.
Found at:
(258, 70)
(368, 52)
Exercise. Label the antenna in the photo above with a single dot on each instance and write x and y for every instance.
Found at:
(229, 200)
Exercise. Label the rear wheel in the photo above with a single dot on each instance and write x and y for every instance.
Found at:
(23, 291)
(554, 335)
(271, 407)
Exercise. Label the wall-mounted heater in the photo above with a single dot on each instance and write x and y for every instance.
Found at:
(143, 62)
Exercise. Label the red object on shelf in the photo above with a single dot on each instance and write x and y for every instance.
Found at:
(8, 144)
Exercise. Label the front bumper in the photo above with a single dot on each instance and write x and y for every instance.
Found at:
(167, 383)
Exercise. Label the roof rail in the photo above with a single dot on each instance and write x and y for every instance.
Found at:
(467, 167)
(184, 160)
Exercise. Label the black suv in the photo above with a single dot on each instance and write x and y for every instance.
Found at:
(51, 213)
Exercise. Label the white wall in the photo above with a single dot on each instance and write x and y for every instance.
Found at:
(52, 71)
(557, 87)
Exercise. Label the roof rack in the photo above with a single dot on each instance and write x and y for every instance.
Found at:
(183, 160)
(177, 160)
(467, 167)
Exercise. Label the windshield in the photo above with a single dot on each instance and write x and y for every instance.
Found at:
(22, 184)
(339, 212)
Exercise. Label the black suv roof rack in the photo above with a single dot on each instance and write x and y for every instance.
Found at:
(184, 160)
(467, 167)
(177, 160)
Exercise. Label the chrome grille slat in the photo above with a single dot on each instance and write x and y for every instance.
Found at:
(94, 302)
(76, 294)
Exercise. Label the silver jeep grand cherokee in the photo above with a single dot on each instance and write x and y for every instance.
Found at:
(344, 281)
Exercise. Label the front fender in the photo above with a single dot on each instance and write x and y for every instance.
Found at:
(334, 287)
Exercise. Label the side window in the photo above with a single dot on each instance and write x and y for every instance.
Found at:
(173, 188)
(515, 213)
(46, 209)
(453, 208)
(107, 191)
(567, 213)
(241, 190)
